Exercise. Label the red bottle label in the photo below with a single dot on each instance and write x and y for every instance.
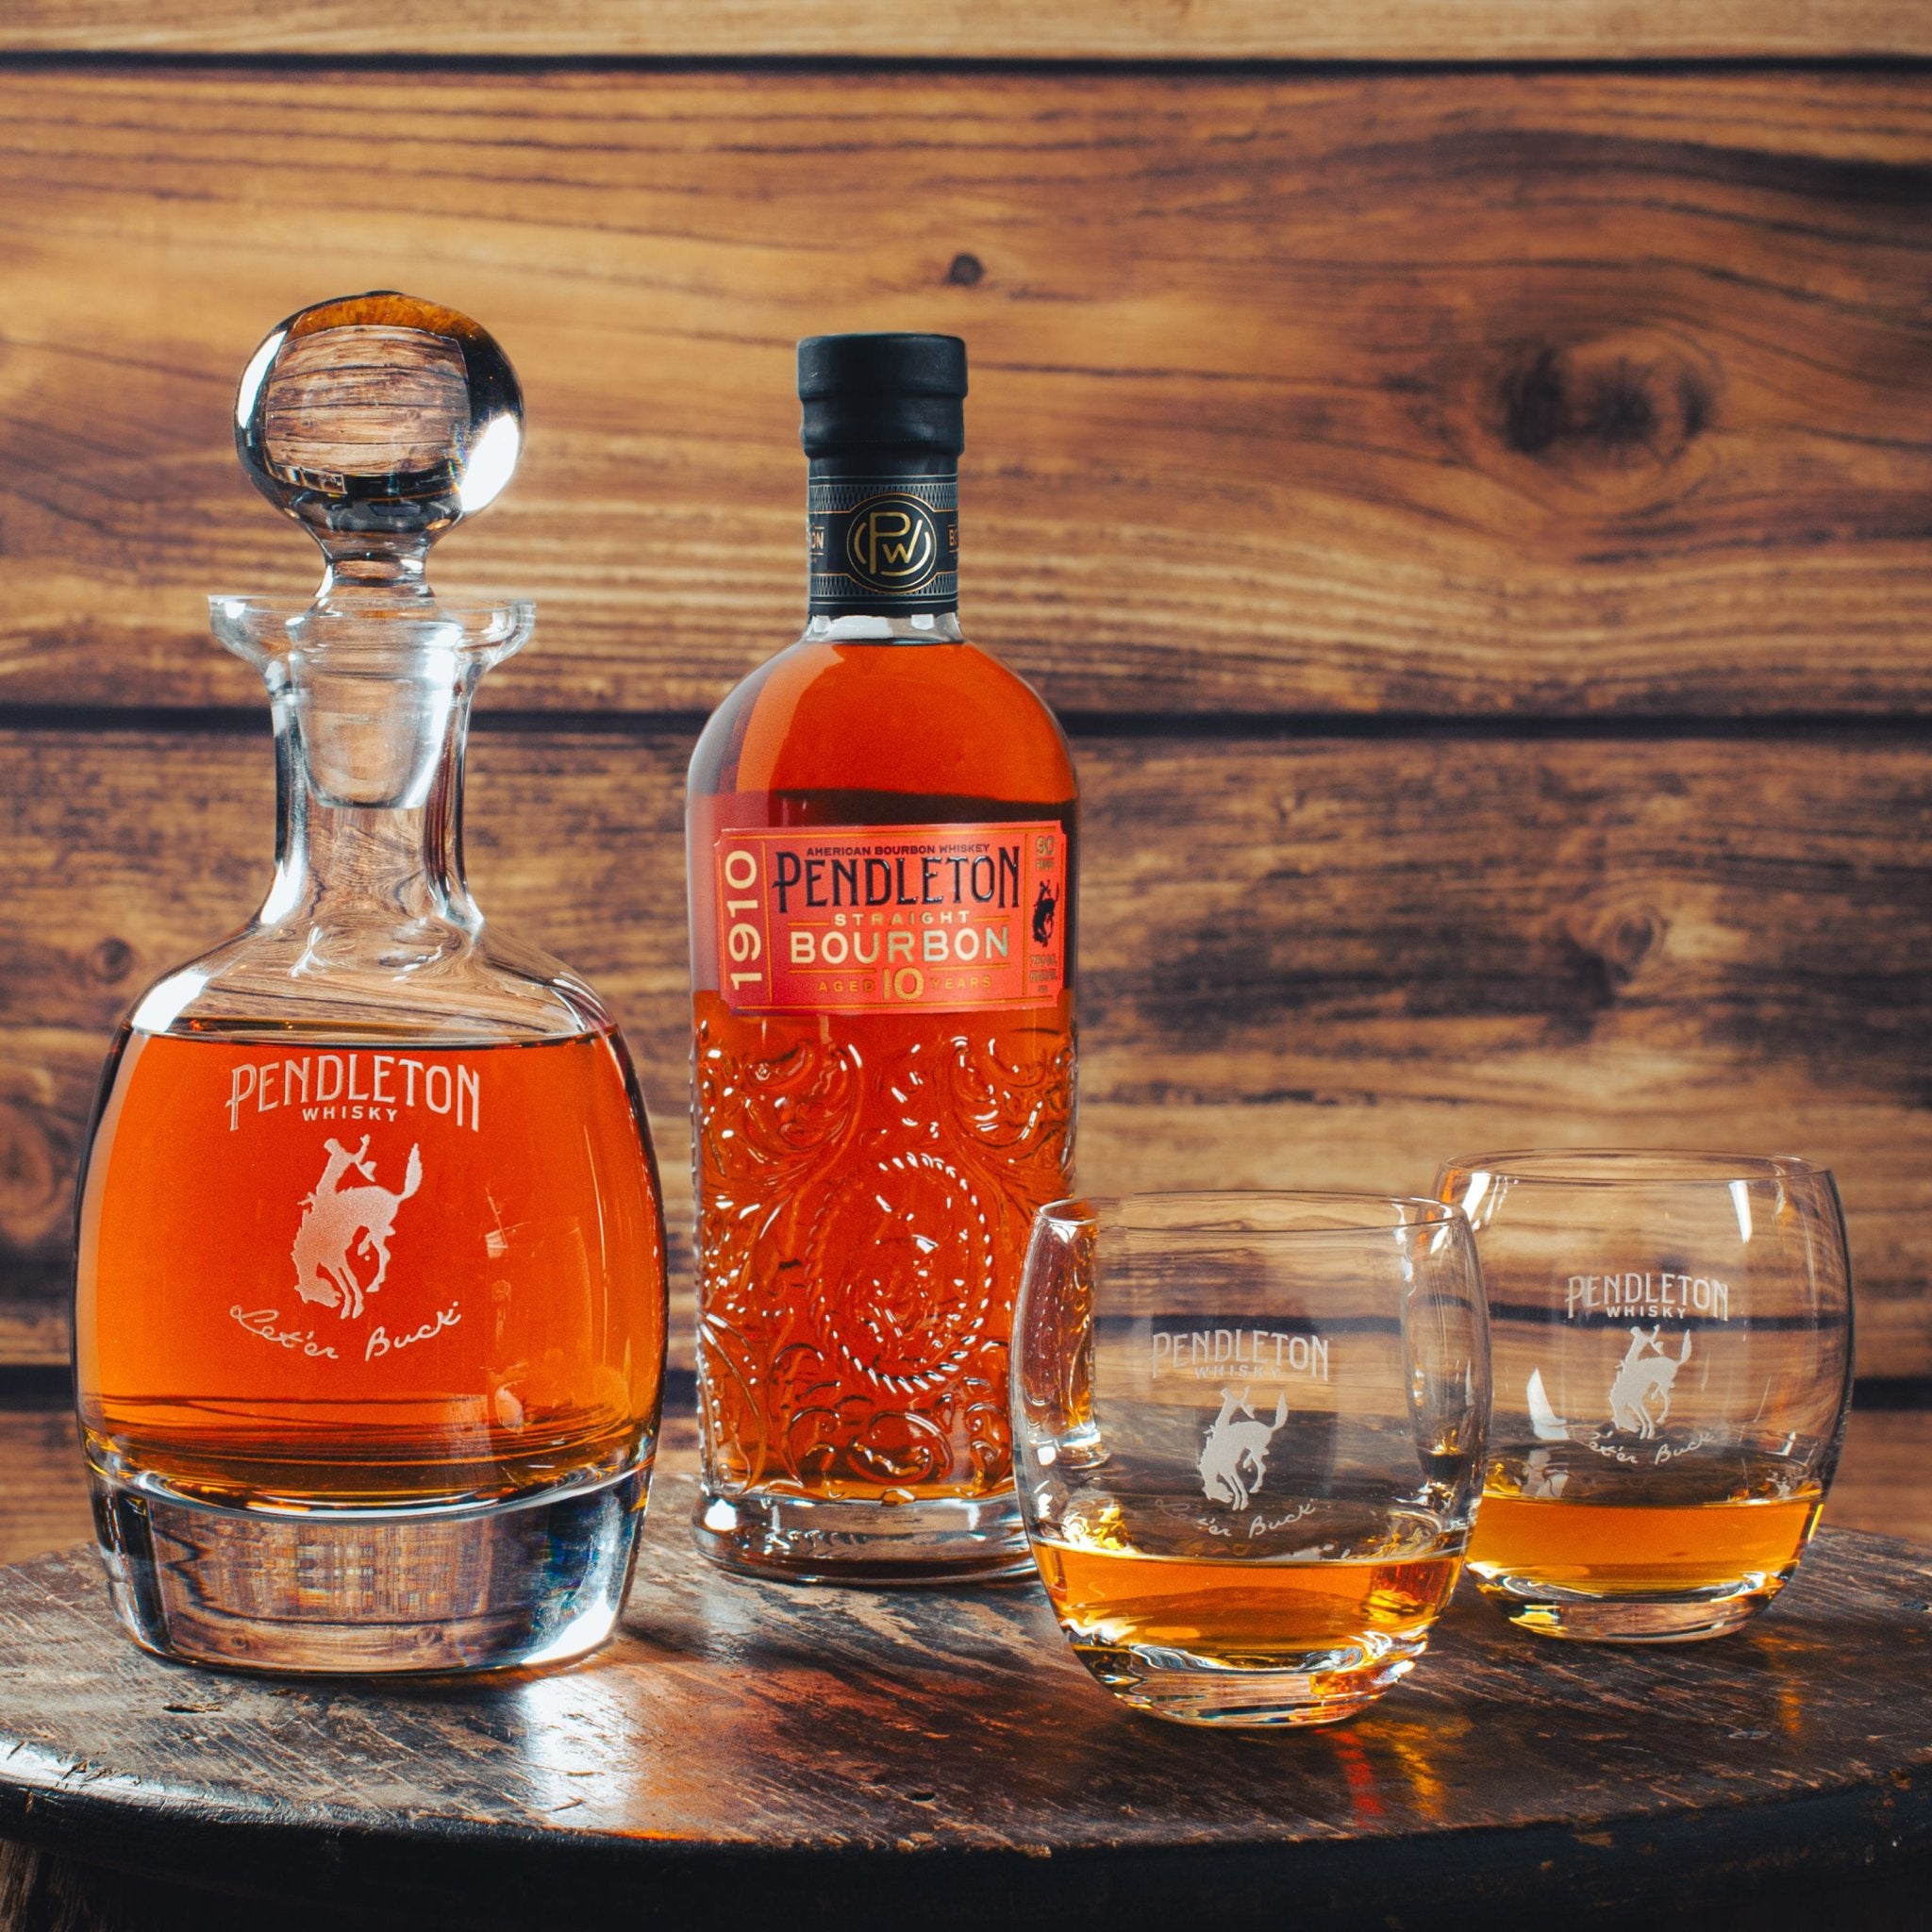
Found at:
(872, 919)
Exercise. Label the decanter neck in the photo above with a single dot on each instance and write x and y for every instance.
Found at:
(372, 717)
(369, 782)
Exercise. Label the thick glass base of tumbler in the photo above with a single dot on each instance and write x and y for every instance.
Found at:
(537, 1580)
(814, 1540)
(1686, 1619)
(1322, 1688)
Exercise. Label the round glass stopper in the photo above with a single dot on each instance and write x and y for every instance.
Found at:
(379, 415)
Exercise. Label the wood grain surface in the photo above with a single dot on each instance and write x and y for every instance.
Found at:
(1304, 960)
(1510, 392)
(1455, 30)
(796, 1751)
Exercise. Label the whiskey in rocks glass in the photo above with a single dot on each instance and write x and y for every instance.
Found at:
(1249, 1432)
(1673, 1341)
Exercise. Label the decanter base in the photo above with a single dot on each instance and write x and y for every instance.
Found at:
(537, 1580)
(816, 1539)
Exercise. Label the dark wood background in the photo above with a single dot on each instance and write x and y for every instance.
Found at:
(1464, 477)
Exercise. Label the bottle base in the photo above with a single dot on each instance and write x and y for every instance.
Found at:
(536, 1580)
(816, 1539)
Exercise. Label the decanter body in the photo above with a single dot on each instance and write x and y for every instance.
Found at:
(369, 1303)
(881, 852)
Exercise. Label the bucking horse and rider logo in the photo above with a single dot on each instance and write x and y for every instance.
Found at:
(1234, 1460)
(1234, 1457)
(346, 1230)
(1640, 1390)
(1045, 908)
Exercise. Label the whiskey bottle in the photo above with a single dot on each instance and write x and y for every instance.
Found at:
(881, 850)
(369, 1308)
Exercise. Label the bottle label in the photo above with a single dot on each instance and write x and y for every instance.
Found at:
(872, 919)
(887, 544)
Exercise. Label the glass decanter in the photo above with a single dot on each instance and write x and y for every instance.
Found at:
(370, 1294)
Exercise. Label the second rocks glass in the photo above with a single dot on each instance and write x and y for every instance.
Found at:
(1674, 1361)
(1249, 1438)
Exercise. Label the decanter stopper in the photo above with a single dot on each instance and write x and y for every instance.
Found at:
(378, 421)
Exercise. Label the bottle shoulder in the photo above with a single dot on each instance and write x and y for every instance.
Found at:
(918, 717)
(464, 988)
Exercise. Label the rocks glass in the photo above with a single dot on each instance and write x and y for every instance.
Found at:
(1248, 1431)
(1673, 1341)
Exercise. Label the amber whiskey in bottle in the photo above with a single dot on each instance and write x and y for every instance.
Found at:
(882, 862)
(370, 1304)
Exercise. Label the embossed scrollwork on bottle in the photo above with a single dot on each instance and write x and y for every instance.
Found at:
(859, 1265)
(769, 1120)
(1021, 1108)
(764, 1115)
(903, 1274)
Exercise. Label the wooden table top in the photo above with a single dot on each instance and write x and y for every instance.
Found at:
(939, 1754)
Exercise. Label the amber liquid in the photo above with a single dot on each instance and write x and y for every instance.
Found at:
(366, 1273)
(1237, 1613)
(868, 1185)
(1610, 1535)
(867, 1181)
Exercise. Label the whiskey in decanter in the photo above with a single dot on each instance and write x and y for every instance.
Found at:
(370, 1298)
(882, 856)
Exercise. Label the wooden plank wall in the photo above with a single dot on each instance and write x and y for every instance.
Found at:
(1141, 30)
(1473, 515)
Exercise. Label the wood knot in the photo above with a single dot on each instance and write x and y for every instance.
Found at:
(1628, 939)
(1605, 955)
(110, 962)
(1629, 400)
(966, 269)
(33, 1179)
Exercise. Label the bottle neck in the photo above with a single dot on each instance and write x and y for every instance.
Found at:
(883, 542)
(882, 627)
